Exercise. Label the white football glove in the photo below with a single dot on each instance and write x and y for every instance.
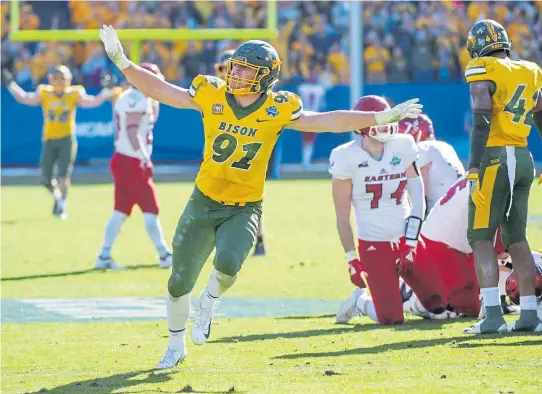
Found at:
(113, 48)
(408, 109)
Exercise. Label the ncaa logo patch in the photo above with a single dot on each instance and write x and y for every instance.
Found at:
(272, 111)
(395, 161)
(218, 109)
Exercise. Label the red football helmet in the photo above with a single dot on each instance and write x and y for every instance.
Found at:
(512, 289)
(153, 68)
(380, 133)
(421, 128)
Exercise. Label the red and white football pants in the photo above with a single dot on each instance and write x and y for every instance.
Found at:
(379, 260)
(133, 185)
(460, 288)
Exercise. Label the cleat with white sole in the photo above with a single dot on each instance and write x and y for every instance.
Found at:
(487, 327)
(203, 319)
(348, 308)
(106, 264)
(172, 358)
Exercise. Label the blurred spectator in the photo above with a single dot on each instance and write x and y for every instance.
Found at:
(94, 67)
(403, 40)
(422, 58)
(398, 67)
(376, 57)
(191, 62)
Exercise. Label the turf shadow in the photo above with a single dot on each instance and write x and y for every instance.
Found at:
(343, 329)
(305, 317)
(531, 342)
(74, 273)
(111, 384)
(340, 329)
(458, 342)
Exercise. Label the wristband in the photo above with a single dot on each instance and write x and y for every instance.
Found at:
(123, 62)
(412, 229)
(352, 255)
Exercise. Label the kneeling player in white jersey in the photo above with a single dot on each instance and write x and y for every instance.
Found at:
(373, 176)
(135, 115)
(438, 161)
(444, 233)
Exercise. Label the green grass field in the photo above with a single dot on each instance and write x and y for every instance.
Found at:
(44, 258)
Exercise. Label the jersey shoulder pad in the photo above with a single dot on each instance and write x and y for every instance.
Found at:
(204, 88)
(43, 89)
(404, 146)
(536, 70)
(481, 69)
(205, 83)
(131, 100)
(75, 90)
(79, 89)
(291, 101)
(340, 160)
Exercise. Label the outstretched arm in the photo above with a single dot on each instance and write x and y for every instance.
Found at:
(88, 101)
(345, 121)
(143, 80)
(28, 98)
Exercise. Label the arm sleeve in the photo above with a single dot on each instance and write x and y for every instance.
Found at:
(338, 165)
(480, 134)
(537, 119)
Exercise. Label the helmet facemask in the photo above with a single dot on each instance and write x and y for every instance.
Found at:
(382, 133)
(243, 86)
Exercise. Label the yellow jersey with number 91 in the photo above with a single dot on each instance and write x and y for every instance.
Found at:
(516, 86)
(59, 110)
(238, 141)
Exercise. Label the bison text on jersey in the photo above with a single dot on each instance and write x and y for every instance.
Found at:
(379, 186)
(133, 109)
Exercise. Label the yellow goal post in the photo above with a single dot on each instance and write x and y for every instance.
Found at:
(136, 36)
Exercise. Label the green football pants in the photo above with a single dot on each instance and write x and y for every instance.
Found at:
(204, 225)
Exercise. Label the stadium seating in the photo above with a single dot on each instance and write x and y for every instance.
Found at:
(404, 41)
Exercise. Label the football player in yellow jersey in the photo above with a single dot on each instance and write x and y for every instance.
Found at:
(59, 100)
(220, 68)
(242, 119)
(505, 97)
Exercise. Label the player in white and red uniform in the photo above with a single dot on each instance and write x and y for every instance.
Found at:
(374, 176)
(135, 115)
(439, 164)
(444, 233)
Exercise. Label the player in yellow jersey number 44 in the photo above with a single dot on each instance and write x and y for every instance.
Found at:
(59, 100)
(242, 119)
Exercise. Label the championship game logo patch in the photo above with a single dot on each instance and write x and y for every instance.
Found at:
(272, 111)
(364, 164)
(218, 109)
(395, 161)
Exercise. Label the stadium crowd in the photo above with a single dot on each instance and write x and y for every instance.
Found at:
(404, 41)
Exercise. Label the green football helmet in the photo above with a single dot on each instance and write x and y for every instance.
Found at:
(487, 36)
(260, 57)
